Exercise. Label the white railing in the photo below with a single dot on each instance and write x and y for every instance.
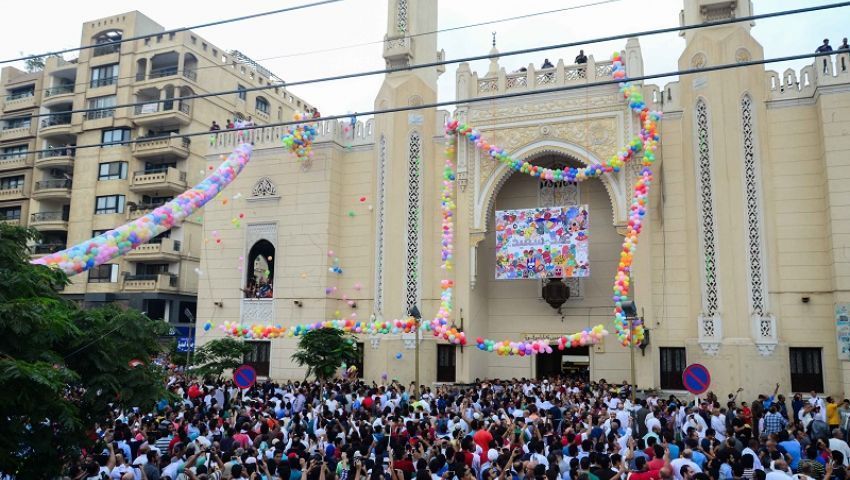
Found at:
(531, 78)
(823, 71)
(327, 131)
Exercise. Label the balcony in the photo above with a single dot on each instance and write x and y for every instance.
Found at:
(11, 193)
(163, 250)
(16, 133)
(19, 101)
(161, 114)
(56, 124)
(11, 221)
(58, 189)
(108, 49)
(172, 146)
(55, 158)
(162, 181)
(41, 249)
(162, 282)
(15, 161)
(58, 94)
(135, 211)
(49, 220)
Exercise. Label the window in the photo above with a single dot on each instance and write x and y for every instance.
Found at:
(104, 75)
(10, 213)
(95, 233)
(20, 122)
(115, 135)
(259, 357)
(446, 363)
(109, 204)
(106, 273)
(263, 105)
(243, 93)
(21, 92)
(806, 369)
(112, 171)
(103, 103)
(151, 268)
(673, 363)
(12, 183)
(16, 151)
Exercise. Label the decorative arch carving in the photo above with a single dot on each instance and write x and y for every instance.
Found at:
(264, 187)
(486, 198)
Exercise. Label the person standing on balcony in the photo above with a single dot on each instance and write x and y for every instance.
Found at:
(547, 64)
(581, 58)
(214, 127)
(825, 48)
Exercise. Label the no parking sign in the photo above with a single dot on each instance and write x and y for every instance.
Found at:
(245, 376)
(696, 378)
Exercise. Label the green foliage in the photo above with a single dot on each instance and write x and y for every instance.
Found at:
(212, 359)
(323, 351)
(60, 366)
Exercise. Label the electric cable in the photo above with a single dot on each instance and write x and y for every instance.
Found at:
(176, 30)
(375, 42)
(445, 103)
(388, 71)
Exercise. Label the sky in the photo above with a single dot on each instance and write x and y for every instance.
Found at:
(318, 42)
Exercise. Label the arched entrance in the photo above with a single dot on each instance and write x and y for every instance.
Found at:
(515, 308)
(259, 274)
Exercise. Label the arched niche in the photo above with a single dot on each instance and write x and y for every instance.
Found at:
(485, 202)
(259, 269)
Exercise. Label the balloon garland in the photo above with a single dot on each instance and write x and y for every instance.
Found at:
(299, 139)
(647, 141)
(114, 243)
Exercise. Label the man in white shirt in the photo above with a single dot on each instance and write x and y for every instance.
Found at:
(837, 444)
(718, 423)
(780, 471)
(685, 459)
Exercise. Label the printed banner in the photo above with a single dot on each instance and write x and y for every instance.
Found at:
(542, 243)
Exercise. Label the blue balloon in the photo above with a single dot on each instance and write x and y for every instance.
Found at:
(398, 356)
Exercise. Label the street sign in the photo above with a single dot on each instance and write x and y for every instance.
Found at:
(696, 378)
(245, 376)
(185, 344)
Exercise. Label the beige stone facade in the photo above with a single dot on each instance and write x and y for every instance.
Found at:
(70, 193)
(741, 263)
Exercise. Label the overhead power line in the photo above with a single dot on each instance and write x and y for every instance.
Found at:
(691, 71)
(377, 42)
(347, 76)
(176, 30)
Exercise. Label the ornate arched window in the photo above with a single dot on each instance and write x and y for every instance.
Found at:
(264, 188)
(763, 324)
(710, 328)
(414, 220)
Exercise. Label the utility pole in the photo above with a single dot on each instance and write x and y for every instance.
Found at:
(632, 357)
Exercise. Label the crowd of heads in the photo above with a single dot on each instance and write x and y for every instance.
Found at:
(555, 429)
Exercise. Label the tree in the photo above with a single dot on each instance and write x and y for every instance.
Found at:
(36, 64)
(212, 359)
(62, 367)
(323, 351)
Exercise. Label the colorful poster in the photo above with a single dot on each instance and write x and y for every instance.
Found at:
(842, 330)
(542, 243)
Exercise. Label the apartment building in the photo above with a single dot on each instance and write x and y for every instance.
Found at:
(51, 181)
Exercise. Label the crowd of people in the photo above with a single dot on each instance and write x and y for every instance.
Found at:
(555, 429)
(259, 289)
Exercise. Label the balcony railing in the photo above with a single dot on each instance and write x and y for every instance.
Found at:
(56, 120)
(103, 82)
(103, 113)
(49, 217)
(50, 184)
(13, 156)
(17, 96)
(163, 72)
(190, 74)
(57, 152)
(58, 90)
(150, 281)
(106, 49)
(154, 107)
(46, 248)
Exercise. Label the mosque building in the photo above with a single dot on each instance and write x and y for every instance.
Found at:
(742, 264)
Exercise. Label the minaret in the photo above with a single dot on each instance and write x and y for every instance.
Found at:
(408, 168)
